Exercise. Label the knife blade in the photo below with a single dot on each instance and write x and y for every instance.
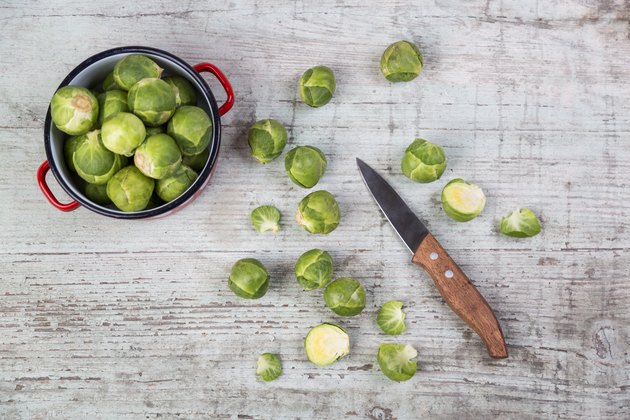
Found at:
(455, 287)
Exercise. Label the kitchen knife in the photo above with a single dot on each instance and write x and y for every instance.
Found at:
(456, 289)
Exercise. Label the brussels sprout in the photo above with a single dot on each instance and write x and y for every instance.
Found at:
(152, 131)
(314, 269)
(158, 157)
(395, 361)
(423, 161)
(318, 212)
(462, 201)
(268, 367)
(97, 193)
(345, 296)
(122, 133)
(109, 83)
(152, 100)
(267, 139)
(92, 161)
(266, 219)
(130, 189)
(401, 62)
(521, 223)
(74, 110)
(249, 279)
(326, 343)
(111, 103)
(191, 128)
(391, 318)
(69, 147)
(171, 187)
(305, 165)
(185, 93)
(197, 162)
(317, 86)
(133, 68)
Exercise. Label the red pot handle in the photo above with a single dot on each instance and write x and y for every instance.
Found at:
(229, 102)
(41, 180)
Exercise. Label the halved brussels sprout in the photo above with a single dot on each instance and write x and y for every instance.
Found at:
(109, 83)
(111, 103)
(305, 165)
(462, 201)
(197, 162)
(122, 133)
(97, 193)
(152, 131)
(69, 147)
(185, 93)
(314, 269)
(318, 212)
(133, 68)
(266, 219)
(345, 296)
(326, 343)
(423, 161)
(521, 223)
(153, 100)
(317, 86)
(268, 367)
(130, 189)
(249, 279)
(395, 361)
(191, 128)
(74, 110)
(401, 62)
(92, 161)
(171, 187)
(391, 318)
(158, 156)
(267, 139)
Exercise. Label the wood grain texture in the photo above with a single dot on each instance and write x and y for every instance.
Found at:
(101, 318)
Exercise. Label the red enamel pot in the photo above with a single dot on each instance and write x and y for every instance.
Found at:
(90, 74)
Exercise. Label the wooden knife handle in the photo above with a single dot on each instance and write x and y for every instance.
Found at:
(461, 295)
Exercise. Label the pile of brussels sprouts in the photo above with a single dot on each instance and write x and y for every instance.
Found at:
(138, 140)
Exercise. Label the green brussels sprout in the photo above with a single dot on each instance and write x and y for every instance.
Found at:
(462, 201)
(521, 223)
(185, 93)
(92, 161)
(318, 212)
(423, 161)
(305, 165)
(69, 147)
(267, 139)
(111, 103)
(133, 68)
(249, 279)
(266, 219)
(171, 187)
(391, 318)
(268, 367)
(401, 62)
(122, 133)
(97, 193)
(109, 83)
(317, 86)
(158, 156)
(191, 128)
(197, 162)
(314, 269)
(130, 189)
(395, 361)
(153, 100)
(74, 110)
(152, 131)
(326, 343)
(345, 296)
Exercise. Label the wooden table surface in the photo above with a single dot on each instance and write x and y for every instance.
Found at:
(101, 318)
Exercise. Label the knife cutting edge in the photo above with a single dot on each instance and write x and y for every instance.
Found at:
(454, 286)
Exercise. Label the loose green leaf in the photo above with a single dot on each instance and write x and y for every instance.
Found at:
(391, 318)
(268, 367)
(395, 361)
(521, 223)
(266, 219)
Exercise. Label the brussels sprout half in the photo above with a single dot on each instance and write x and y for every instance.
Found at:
(174, 185)
(268, 367)
(395, 361)
(185, 93)
(111, 103)
(265, 219)
(305, 165)
(391, 318)
(97, 193)
(267, 139)
(345, 296)
(249, 279)
(317, 86)
(130, 190)
(133, 68)
(122, 133)
(423, 161)
(92, 161)
(401, 62)
(314, 269)
(521, 223)
(153, 100)
(326, 343)
(74, 110)
(191, 127)
(318, 213)
(462, 201)
(158, 156)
